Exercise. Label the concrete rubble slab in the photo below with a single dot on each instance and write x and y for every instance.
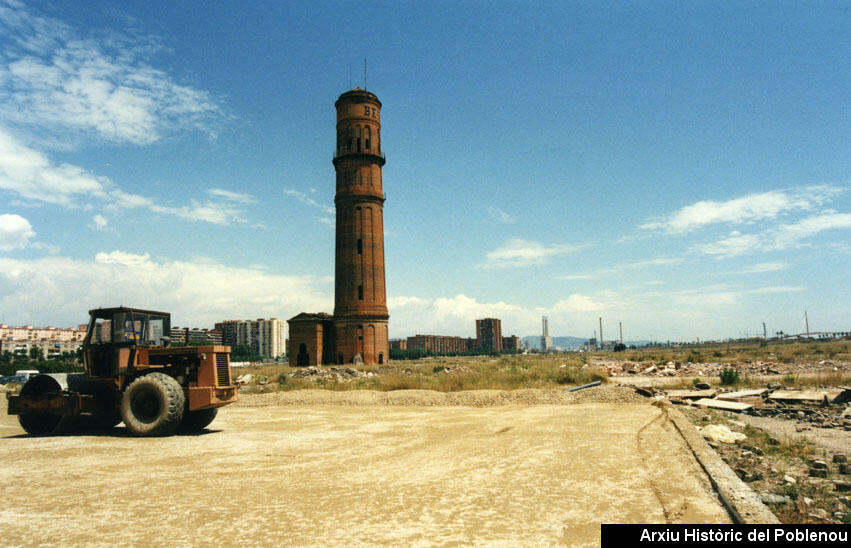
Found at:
(741, 394)
(805, 395)
(692, 394)
(725, 405)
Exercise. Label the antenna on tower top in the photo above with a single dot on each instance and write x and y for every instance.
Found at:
(364, 74)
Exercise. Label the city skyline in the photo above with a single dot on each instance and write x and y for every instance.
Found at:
(680, 168)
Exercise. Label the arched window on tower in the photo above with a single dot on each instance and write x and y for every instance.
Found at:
(349, 134)
(360, 131)
(367, 138)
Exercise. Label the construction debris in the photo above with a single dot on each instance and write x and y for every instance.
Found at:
(720, 433)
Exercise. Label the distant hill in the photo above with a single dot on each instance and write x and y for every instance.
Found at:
(534, 341)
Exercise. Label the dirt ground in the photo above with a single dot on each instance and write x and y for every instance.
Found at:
(319, 470)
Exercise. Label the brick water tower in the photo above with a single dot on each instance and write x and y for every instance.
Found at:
(360, 298)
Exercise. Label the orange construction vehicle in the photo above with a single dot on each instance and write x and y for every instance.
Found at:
(131, 375)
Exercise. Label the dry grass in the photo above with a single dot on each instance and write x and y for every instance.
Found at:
(445, 375)
(788, 352)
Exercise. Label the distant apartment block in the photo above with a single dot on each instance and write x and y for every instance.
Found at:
(489, 334)
(439, 344)
(196, 336)
(51, 340)
(30, 333)
(266, 337)
(398, 344)
(511, 343)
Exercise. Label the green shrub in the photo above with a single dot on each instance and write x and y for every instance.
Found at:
(730, 376)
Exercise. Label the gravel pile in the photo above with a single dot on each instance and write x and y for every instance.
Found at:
(426, 398)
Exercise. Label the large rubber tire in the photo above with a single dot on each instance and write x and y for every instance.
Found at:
(42, 424)
(195, 421)
(153, 405)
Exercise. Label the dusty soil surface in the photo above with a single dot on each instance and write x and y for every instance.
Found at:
(831, 439)
(314, 468)
(776, 459)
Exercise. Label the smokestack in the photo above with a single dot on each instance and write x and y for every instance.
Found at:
(764, 332)
(601, 331)
(807, 323)
(620, 328)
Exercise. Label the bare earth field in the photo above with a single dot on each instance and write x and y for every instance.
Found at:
(317, 468)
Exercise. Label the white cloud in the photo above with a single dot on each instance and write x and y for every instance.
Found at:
(15, 232)
(760, 268)
(657, 261)
(99, 222)
(791, 234)
(30, 174)
(55, 78)
(734, 245)
(307, 200)
(233, 196)
(500, 215)
(452, 316)
(198, 292)
(518, 252)
(780, 237)
(745, 210)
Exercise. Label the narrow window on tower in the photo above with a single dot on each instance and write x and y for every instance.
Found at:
(367, 137)
(360, 292)
(360, 246)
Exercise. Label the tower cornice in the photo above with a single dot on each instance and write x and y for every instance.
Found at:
(367, 156)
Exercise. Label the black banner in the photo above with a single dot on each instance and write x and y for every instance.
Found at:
(698, 536)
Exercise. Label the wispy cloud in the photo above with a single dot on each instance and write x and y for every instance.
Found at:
(781, 237)
(307, 200)
(518, 252)
(60, 89)
(74, 85)
(745, 210)
(760, 268)
(240, 197)
(792, 234)
(656, 261)
(732, 246)
(15, 232)
(500, 215)
(31, 175)
(99, 222)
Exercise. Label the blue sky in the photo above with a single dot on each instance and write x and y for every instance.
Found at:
(681, 167)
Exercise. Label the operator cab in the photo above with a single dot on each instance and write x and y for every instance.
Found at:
(114, 334)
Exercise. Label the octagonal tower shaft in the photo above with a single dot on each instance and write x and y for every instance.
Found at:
(360, 299)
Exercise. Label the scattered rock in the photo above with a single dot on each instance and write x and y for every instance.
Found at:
(789, 479)
(818, 513)
(773, 499)
(702, 386)
(817, 473)
(842, 485)
(839, 458)
(719, 432)
(818, 464)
